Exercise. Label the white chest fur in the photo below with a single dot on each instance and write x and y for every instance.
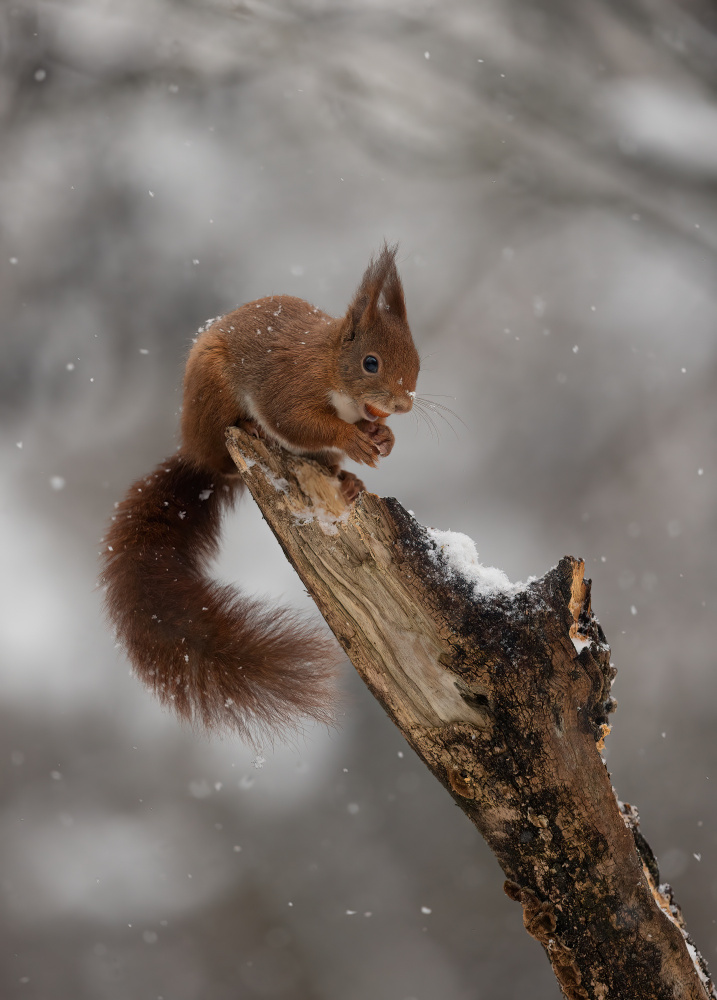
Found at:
(345, 407)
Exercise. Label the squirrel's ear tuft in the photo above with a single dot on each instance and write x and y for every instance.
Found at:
(380, 286)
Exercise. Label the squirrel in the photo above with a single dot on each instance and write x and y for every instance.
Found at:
(321, 387)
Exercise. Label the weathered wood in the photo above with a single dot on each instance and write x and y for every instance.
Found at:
(505, 696)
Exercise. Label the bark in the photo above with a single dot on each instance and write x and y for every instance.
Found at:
(506, 698)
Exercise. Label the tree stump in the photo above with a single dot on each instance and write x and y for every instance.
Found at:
(504, 692)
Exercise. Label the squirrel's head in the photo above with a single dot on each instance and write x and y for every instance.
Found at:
(378, 363)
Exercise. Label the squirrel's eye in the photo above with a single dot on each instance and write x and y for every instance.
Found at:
(370, 363)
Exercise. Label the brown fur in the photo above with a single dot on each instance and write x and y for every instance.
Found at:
(217, 657)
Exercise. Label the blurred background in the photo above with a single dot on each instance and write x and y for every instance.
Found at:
(550, 171)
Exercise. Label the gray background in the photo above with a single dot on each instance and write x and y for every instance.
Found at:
(549, 170)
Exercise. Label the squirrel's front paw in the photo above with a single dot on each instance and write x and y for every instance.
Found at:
(381, 435)
(361, 447)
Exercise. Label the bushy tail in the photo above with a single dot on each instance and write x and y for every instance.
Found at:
(214, 656)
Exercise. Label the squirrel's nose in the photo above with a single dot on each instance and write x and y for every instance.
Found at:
(403, 404)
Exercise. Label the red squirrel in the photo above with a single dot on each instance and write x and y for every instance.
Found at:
(322, 387)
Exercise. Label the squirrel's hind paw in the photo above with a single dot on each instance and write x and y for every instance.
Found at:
(350, 486)
(252, 428)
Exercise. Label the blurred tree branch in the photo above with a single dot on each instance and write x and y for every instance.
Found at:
(505, 697)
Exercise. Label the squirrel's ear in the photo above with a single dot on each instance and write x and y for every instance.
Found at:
(380, 283)
(393, 292)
